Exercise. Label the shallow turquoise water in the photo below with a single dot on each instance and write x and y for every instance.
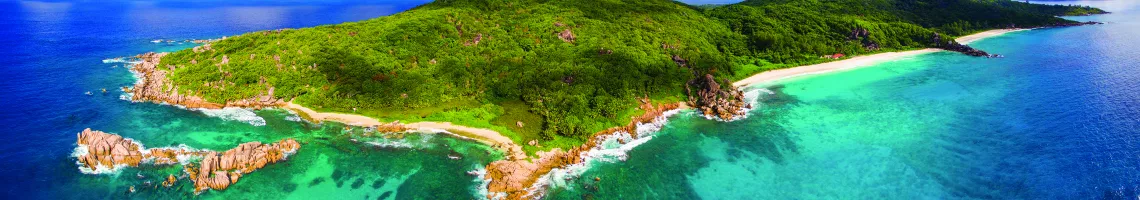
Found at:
(1057, 118)
(54, 53)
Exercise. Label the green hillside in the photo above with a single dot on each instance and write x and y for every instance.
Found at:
(565, 69)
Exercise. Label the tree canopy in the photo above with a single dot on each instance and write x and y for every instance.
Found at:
(565, 68)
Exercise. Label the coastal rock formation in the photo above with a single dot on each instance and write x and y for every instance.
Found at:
(154, 86)
(711, 100)
(100, 152)
(107, 151)
(958, 47)
(218, 171)
(516, 175)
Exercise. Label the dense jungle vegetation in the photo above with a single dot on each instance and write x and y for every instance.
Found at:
(565, 68)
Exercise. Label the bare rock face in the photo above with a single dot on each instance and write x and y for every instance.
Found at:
(218, 171)
(215, 171)
(567, 36)
(106, 151)
(156, 87)
(713, 101)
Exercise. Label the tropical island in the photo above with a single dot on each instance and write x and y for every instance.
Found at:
(542, 80)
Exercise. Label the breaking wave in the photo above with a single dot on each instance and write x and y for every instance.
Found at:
(235, 114)
(610, 149)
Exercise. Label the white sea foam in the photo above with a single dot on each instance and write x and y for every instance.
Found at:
(125, 60)
(235, 114)
(115, 60)
(392, 144)
(293, 118)
(611, 148)
(183, 159)
(81, 151)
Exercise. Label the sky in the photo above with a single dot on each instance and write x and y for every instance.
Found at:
(327, 2)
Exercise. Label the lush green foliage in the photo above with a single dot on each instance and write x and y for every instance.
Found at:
(492, 63)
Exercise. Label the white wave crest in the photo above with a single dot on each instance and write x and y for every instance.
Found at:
(183, 159)
(81, 151)
(293, 118)
(611, 148)
(115, 60)
(235, 114)
(392, 144)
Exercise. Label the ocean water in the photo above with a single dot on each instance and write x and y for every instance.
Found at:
(55, 52)
(1057, 118)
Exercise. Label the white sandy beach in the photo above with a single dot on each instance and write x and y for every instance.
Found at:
(486, 136)
(855, 62)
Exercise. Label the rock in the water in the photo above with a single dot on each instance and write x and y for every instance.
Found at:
(100, 152)
(106, 152)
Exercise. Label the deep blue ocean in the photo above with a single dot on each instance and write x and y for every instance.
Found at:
(1057, 118)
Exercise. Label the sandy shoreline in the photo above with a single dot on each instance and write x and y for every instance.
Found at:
(855, 62)
(486, 136)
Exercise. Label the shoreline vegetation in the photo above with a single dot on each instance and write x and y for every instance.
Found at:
(498, 72)
(518, 173)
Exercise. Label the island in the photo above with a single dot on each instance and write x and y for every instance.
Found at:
(544, 81)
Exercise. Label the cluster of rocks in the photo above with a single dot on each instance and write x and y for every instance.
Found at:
(1068, 24)
(215, 171)
(218, 171)
(514, 176)
(713, 101)
(107, 150)
(155, 86)
(566, 35)
(863, 35)
(958, 47)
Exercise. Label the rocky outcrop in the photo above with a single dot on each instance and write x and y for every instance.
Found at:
(863, 35)
(100, 152)
(713, 101)
(514, 176)
(154, 86)
(105, 152)
(958, 47)
(218, 171)
(567, 35)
